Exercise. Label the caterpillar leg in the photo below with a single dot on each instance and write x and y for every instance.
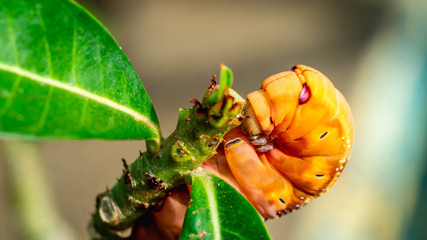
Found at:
(262, 185)
(218, 165)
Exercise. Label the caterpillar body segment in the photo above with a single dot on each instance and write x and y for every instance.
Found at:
(308, 127)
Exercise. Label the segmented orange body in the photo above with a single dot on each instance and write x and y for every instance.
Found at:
(294, 143)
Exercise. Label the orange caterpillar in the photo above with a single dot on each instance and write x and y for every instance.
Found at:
(293, 144)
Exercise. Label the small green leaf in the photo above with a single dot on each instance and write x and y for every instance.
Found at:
(226, 78)
(225, 82)
(217, 211)
(62, 75)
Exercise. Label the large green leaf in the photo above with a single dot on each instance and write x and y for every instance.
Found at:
(217, 211)
(62, 75)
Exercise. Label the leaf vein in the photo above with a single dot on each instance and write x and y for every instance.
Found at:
(73, 54)
(237, 235)
(100, 66)
(213, 206)
(46, 108)
(46, 42)
(10, 98)
(83, 113)
(125, 83)
(15, 85)
(13, 39)
(83, 93)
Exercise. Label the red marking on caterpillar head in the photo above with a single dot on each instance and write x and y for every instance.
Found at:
(305, 94)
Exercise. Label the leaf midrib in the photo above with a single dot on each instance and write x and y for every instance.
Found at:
(213, 206)
(102, 100)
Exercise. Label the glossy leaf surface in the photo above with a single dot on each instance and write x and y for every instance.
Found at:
(62, 75)
(217, 211)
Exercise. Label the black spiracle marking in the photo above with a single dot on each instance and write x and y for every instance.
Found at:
(323, 135)
(232, 142)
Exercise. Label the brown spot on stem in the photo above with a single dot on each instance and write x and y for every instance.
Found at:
(201, 234)
(213, 84)
(153, 182)
(138, 205)
(127, 178)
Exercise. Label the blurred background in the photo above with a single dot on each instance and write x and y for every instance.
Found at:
(375, 52)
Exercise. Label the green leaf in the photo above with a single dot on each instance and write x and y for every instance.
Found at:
(217, 211)
(225, 82)
(62, 75)
(226, 79)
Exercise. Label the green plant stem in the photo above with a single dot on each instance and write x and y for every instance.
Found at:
(147, 181)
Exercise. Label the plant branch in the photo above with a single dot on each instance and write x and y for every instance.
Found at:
(148, 180)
